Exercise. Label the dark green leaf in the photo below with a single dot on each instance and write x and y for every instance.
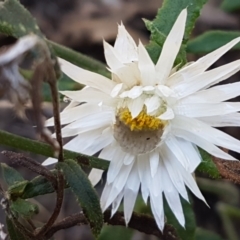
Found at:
(189, 232)
(116, 233)
(207, 165)
(162, 24)
(211, 40)
(38, 186)
(23, 208)
(202, 234)
(230, 5)
(10, 175)
(85, 193)
(13, 232)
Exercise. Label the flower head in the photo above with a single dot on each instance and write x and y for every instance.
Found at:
(149, 119)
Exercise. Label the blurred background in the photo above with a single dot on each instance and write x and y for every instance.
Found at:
(82, 25)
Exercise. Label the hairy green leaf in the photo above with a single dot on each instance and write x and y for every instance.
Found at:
(207, 165)
(162, 24)
(10, 175)
(230, 5)
(85, 193)
(211, 40)
(190, 226)
(13, 231)
(23, 208)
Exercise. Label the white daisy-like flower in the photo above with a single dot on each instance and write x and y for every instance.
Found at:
(149, 119)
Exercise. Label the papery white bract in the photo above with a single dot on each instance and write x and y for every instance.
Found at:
(149, 119)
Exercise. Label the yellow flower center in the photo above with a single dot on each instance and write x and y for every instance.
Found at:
(143, 122)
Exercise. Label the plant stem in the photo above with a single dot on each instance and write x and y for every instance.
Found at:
(33, 146)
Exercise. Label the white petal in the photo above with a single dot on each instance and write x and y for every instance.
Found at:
(95, 176)
(206, 109)
(125, 46)
(215, 94)
(152, 103)
(129, 158)
(154, 160)
(115, 165)
(130, 193)
(72, 114)
(72, 104)
(157, 210)
(116, 203)
(174, 147)
(49, 161)
(136, 106)
(89, 95)
(200, 141)
(128, 74)
(164, 91)
(231, 119)
(172, 197)
(135, 92)
(99, 144)
(167, 115)
(206, 79)
(191, 153)
(118, 185)
(171, 47)
(111, 57)
(146, 66)
(86, 77)
(93, 121)
(175, 176)
(116, 90)
(144, 174)
(208, 133)
(205, 62)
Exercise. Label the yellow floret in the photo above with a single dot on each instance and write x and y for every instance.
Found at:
(142, 122)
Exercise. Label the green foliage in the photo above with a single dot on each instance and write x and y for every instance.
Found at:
(230, 5)
(189, 232)
(211, 40)
(23, 208)
(18, 26)
(116, 233)
(207, 165)
(162, 24)
(85, 193)
(202, 234)
(10, 175)
(13, 231)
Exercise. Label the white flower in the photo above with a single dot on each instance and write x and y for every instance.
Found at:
(148, 120)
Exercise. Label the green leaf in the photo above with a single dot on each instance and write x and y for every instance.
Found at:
(203, 234)
(207, 165)
(38, 186)
(85, 193)
(24, 208)
(211, 40)
(189, 232)
(230, 5)
(10, 175)
(116, 233)
(13, 231)
(17, 189)
(162, 24)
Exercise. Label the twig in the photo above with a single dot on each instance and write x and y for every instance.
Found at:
(140, 222)
(228, 169)
(57, 209)
(20, 159)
